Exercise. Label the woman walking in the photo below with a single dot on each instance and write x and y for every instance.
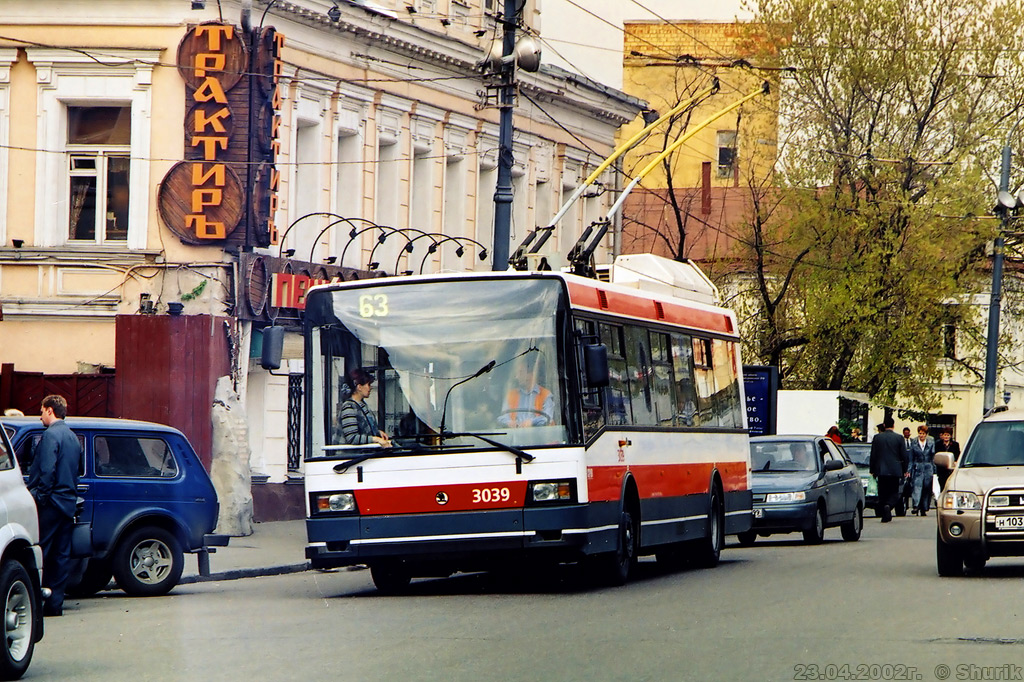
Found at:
(922, 452)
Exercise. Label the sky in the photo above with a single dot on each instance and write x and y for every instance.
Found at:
(575, 39)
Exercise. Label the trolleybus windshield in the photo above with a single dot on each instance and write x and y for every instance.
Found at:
(474, 356)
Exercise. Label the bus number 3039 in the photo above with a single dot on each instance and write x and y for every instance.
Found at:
(487, 495)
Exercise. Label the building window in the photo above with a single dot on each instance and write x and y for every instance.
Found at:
(726, 153)
(949, 340)
(99, 146)
(460, 14)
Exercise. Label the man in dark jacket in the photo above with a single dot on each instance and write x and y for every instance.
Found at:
(53, 482)
(888, 465)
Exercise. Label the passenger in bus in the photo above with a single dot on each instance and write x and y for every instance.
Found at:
(527, 403)
(357, 423)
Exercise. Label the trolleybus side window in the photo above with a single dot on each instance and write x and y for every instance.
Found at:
(640, 370)
(727, 388)
(618, 406)
(590, 399)
(704, 378)
(661, 381)
(686, 392)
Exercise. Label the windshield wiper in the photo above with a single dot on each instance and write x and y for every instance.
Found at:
(444, 409)
(341, 467)
(511, 449)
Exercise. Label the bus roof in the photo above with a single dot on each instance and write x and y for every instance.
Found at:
(632, 300)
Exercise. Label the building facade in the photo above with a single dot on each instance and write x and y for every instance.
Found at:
(689, 206)
(174, 174)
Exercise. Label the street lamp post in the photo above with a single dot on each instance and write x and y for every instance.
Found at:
(1006, 203)
(506, 99)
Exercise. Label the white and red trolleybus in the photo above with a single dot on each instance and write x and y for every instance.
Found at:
(634, 443)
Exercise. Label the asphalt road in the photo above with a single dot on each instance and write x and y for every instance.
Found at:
(780, 610)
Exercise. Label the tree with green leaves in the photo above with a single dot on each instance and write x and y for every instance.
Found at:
(866, 251)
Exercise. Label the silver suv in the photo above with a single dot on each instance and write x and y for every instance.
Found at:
(981, 509)
(21, 568)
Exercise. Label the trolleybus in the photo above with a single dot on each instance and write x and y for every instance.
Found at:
(629, 439)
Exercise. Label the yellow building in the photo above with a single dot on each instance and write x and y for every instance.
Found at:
(704, 187)
(172, 175)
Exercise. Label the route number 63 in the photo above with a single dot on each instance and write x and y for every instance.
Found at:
(373, 305)
(487, 495)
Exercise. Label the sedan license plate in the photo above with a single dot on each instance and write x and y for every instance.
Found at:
(1009, 522)
(758, 513)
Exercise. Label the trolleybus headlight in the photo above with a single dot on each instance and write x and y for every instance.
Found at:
(958, 499)
(798, 496)
(334, 503)
(551, 491)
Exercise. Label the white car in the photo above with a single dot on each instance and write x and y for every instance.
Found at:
(981, 510)
(21, 568)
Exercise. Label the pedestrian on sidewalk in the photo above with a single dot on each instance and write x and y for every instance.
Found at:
(888, 464)
(922, 452)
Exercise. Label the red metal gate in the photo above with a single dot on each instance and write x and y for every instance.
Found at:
(88, 395)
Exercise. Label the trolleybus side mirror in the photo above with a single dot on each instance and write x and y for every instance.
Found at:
(273, 347)
(595, 359)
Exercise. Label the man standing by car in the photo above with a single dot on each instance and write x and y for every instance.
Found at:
(53, 482)
(888, 465)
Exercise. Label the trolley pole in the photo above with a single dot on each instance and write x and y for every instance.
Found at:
(506, 99)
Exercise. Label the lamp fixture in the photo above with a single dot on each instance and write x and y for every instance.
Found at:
(446, 22)
(1006, 201)
(481, 33)
(334, 13)
(410, 9)
(198, 4)
(330, 260)
(288, 253)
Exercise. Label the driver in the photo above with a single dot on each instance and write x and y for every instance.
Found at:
(527, 403)
(802, 456)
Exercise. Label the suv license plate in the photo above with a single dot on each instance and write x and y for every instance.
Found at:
(1007, 522)
(759, 513)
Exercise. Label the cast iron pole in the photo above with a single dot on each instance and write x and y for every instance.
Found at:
(503, 191)
(992, 347)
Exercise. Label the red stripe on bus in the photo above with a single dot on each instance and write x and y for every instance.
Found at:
(647, 308)
(442, 497)
(604, 483)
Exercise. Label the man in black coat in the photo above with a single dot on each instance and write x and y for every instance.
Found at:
(53, 482)
(889, 466)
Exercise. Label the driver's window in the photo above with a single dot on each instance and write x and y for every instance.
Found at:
(26, 452)
(832, 452)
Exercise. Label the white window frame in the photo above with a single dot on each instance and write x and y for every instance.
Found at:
(7, 57)
(100, 155)
(65, 77)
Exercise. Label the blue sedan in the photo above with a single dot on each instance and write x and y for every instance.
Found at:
(803, 484)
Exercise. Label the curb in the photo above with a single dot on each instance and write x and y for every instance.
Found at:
(237, 573)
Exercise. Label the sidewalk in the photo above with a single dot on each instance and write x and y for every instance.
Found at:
(274, 548)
